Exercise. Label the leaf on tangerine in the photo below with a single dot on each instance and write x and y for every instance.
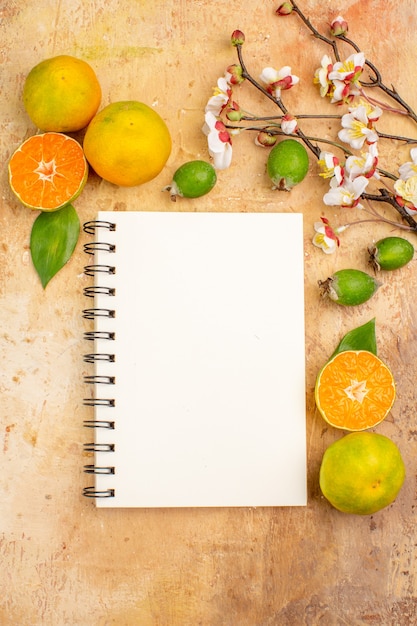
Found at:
(52, 241)
(360, 338)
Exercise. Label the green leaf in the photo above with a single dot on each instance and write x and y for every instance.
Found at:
(52, 241)
(360, 338)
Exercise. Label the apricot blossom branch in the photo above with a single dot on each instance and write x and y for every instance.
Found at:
(341, 81)
(339, 28)
(284, 82)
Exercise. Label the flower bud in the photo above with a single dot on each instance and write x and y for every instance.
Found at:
(338, 26)
(265, 139)
(234, 74)
(238, 38)
(285, 8)
(234, 114)
(289, 124)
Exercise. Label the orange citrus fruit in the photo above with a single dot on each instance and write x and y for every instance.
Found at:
(127, 143)
(48, 171)
(362, 473)
(355, 390)
(61, 94)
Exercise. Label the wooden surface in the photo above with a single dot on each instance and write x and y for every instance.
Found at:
(62, 561)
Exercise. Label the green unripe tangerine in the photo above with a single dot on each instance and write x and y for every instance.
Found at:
(362, 473)
(390, 253)
(287, 164)
(192, 180)
(349, 287)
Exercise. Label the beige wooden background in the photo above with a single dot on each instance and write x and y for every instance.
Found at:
(62, 561)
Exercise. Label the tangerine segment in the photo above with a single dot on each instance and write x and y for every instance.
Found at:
(48, 171)
(355, 390)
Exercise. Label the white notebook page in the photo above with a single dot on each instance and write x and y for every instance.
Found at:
(209, 393)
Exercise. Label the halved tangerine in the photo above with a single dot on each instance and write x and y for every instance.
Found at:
(48, 171)
(355, 390)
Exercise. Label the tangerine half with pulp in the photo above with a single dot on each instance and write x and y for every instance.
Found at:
(355, 390)
(48, 171)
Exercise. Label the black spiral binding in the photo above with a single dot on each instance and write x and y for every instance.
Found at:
(90, 314)
(104, 380)
(92, 335)
(98, 447)
(91, 492)
(92, 270)
(99, 402)
(94, 357)
(99, 424)
(94, 469)
(91, 227)
(95, 246)
(90, 292)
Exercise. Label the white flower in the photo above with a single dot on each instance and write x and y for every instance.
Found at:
(348, 194)
(331, 168)
(321, 75)
(219, 141)
(357, 128)
(345, 78)
(407, 189)
(220, 98)
(364, 165)
(343, 92)
(278, 80)
(350, 69)
(326, 237)
(409, 169)
(373, 113)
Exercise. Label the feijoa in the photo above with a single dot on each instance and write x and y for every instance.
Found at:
(287, 164)
(192, 180)
(349, 287)
(390, 253)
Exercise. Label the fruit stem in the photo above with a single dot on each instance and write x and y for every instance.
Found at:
(173, 191)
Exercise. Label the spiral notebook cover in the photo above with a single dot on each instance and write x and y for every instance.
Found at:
(196, 346)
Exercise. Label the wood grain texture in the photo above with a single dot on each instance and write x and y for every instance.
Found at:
(65, 563)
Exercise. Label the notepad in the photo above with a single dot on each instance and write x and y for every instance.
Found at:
(196, 342)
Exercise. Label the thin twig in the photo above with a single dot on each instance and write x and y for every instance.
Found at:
(302, 116)
(277, 101)
(277, 131)
(389, 199)
(315, 32)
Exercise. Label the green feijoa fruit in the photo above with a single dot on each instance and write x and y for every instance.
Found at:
(349, 287)
(390, 253)
(287, 164)
(192, 180)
